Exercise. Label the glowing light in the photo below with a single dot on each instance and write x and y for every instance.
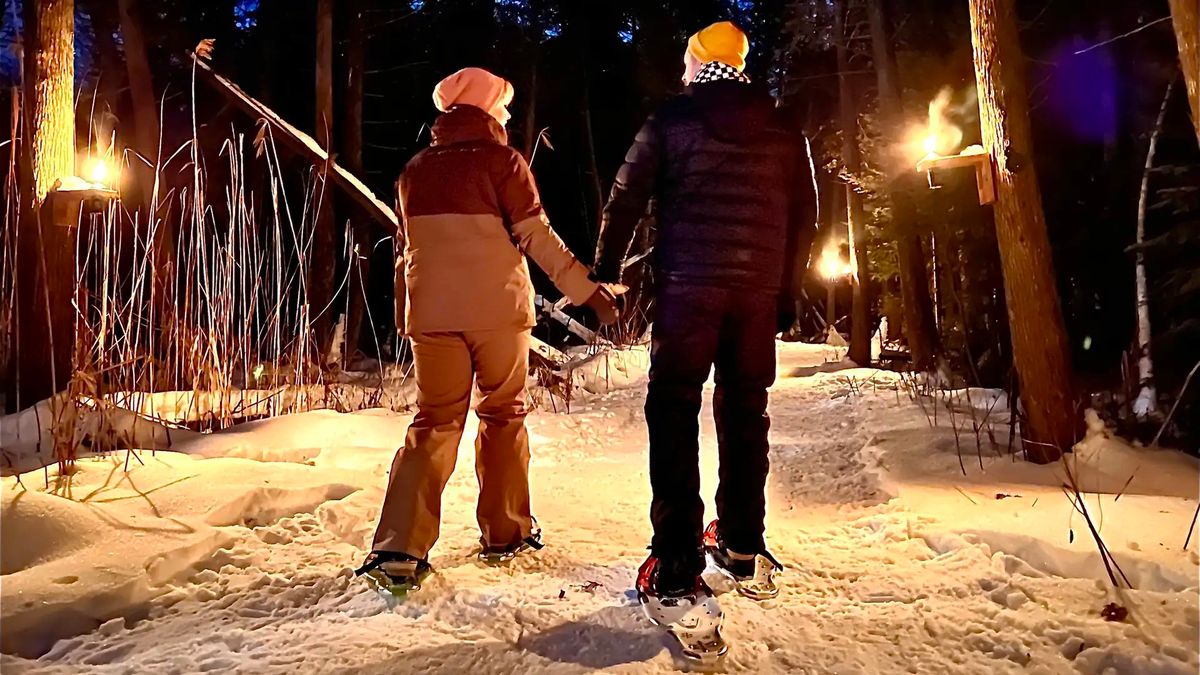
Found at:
(97, 171)
(832, 266)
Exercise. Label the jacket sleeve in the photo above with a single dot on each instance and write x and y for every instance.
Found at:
(631, 193)
(802, 218)
(521, 207)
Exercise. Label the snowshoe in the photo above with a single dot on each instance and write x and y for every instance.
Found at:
(490, 555)
(754, 574)
(394, 575)
(689, 613)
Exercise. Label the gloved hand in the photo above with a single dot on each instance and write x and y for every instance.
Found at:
(604, 303)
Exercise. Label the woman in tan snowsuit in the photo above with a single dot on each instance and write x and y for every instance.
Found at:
(470, 214)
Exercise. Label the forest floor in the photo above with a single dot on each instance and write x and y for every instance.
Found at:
(899, 559)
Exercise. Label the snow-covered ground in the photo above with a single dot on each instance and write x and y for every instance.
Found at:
(897, 561)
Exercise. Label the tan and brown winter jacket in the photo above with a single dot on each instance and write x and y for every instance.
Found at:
(469, 209)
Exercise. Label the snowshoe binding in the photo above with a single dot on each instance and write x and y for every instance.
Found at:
(492, 555)
(394, 575)
(686, 608)
(754, 574)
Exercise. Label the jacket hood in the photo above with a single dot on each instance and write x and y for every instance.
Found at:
(733, 112)
(465, 124)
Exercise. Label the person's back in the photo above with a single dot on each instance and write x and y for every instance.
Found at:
(454, 221)
(723, 197)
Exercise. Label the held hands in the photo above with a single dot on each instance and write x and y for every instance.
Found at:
(605, 304)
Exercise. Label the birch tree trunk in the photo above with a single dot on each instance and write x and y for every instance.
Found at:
(1185, 14)
(860, 326)
(1040, 349)
(919, 324)
(45, 264)
(1146, 403)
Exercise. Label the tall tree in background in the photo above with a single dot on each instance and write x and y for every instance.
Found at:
(1147, 398)
(321, 251)
(352, 159)
(141, 80)
(1186, 16)
(860, 328)
(45, 266)
(919, 325)
(1040, 350)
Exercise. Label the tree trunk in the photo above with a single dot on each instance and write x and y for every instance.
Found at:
(271, 16)
(1146, 403)
(919, 325)
(352, 150)
(860, 327)
(141, 80)
(595, 191)
(529, 120)
(45, 265)
(105, 25)
(1186, 17)
(146, 140)
(1040, 350)
(321, 260)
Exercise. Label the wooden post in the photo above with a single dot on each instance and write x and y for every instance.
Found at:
(1040, 349)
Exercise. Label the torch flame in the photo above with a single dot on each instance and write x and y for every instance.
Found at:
(831, 265)
(943, 137)
(97, 171)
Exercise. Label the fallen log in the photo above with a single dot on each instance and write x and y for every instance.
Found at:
(302, 144)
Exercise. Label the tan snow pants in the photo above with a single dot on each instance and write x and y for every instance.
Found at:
(446, 364)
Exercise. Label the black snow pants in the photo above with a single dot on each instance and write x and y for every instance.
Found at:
(696, 328)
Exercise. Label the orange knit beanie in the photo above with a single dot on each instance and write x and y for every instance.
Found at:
(722, 42)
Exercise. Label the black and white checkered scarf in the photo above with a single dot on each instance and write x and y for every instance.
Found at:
(715, 70)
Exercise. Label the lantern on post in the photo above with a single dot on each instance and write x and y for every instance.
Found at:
(972, 157)
(74, 197)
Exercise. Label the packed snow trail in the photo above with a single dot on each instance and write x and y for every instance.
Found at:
(929, 574)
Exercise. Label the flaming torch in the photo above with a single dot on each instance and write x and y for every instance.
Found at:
(941, 140)
(833, 267)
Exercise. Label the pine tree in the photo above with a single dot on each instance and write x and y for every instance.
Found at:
(1039, 339)
(321, 252)
(856, 217)
(919, 326)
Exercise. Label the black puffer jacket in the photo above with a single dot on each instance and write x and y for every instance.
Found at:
(734, 190)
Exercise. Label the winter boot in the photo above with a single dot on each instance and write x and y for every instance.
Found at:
(754, 573)
(394, 574)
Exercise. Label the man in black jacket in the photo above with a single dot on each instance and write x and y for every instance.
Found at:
(736, 205)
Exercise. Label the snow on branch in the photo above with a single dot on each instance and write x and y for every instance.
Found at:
(301, 143)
